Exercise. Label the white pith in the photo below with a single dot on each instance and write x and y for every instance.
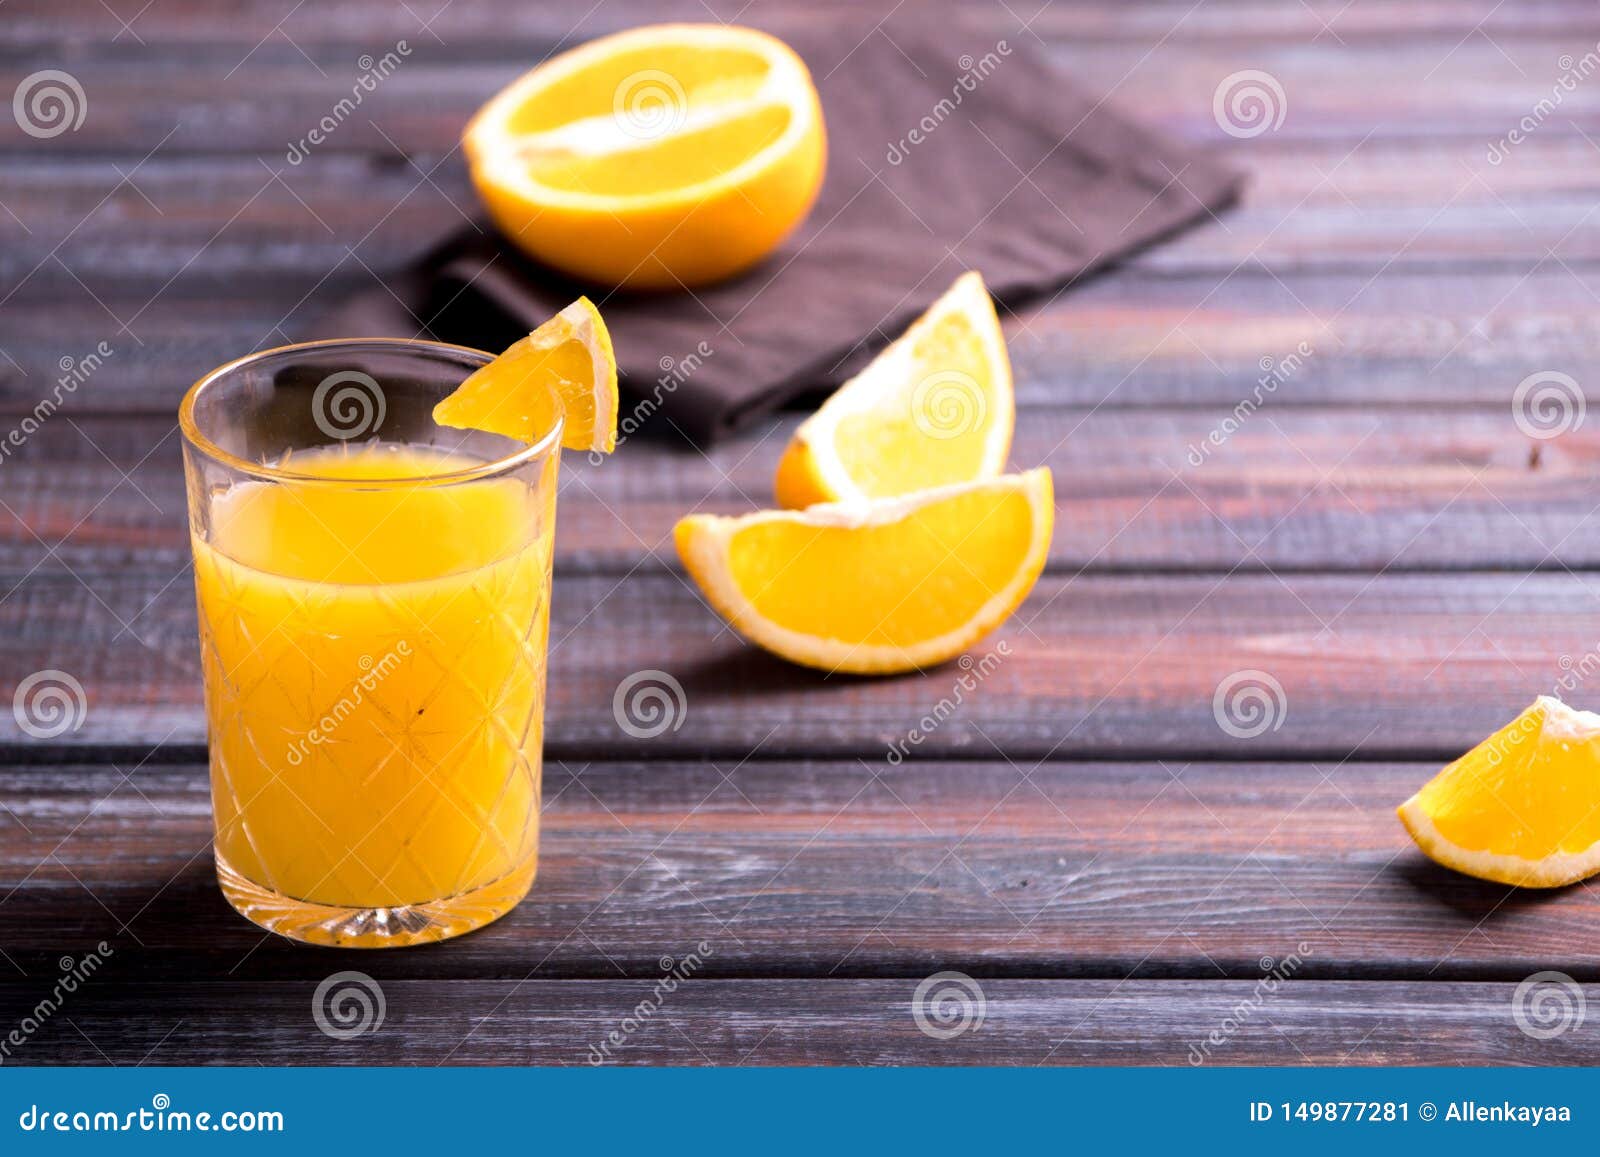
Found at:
(605, 401)
(1564, 722)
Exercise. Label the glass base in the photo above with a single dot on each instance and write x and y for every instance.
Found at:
(339, 927)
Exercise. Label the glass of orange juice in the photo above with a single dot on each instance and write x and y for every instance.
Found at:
(373, 597)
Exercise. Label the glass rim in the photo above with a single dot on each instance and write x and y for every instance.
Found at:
(190, 428)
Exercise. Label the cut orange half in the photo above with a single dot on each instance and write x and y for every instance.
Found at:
(933, 408)
(670, 155)
(1522, 807)
(876, 587)
(564, 369)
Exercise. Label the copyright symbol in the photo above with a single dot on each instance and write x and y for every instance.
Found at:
(1428, 1111)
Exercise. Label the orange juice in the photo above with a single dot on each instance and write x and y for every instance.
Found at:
(374, 651)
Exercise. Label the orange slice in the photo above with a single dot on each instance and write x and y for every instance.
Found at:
(563, 370)
(933, 408)
(666, 156)
(876, 587)
(1522, 807)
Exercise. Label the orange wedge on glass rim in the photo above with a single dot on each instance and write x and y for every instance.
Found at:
(876, 587)
(1522, 807)
(564, 369)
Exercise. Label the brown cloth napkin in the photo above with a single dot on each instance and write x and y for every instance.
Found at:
(948, 150)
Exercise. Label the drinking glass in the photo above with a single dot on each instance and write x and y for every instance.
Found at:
(373, 595)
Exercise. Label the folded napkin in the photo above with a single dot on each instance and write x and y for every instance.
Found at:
(947, 151)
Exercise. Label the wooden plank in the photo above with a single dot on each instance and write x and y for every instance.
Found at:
(804, 1022)
(1477, 87)
(1403, 666)
(488, 25)
(1123, 340)
(793, 868)
(241, 225)
(1292, 489)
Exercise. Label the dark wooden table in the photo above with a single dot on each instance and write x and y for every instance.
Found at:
(1116, 871)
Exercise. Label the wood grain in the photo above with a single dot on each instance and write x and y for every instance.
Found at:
(488, 25)
(1072, 834)
(804, 1022)
(1290, 489)
(786, 868)
(1188, 323)
(1470, 85)
(1121, 341)
(1311, 207)
(1409, 666)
